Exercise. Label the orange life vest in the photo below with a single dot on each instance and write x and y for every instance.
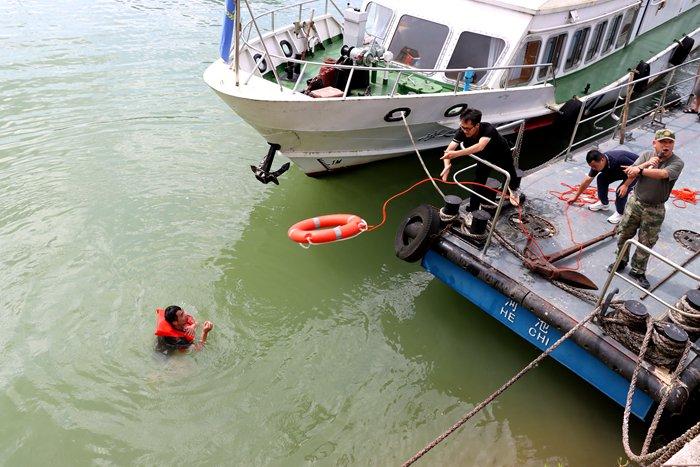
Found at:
(165, 329)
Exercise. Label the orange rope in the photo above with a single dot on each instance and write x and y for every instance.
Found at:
(588, 196)
(685, 196)
(401, 193)
(425, 180)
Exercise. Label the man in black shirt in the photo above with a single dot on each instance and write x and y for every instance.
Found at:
(484, 141)
(607, 168)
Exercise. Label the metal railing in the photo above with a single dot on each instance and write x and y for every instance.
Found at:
(613, 273)
(272, 14)
(515, 152)
(265, 54)
(398, 71)
(624, 106)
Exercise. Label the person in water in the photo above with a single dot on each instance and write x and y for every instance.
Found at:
(176, 328)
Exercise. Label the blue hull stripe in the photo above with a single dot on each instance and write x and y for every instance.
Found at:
(537, 332)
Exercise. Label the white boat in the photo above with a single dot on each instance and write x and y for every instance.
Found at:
(407, 64)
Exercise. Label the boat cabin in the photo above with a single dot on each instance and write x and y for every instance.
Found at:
(569, 34)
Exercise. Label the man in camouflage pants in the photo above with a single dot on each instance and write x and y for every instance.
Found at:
(656, 172)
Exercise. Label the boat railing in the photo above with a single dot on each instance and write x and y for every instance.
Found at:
(399, 72)
(272, 15)
(624, 106)
(461, 73)
(646, 292)
(515, 151)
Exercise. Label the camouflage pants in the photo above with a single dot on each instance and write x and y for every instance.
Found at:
(645, 218)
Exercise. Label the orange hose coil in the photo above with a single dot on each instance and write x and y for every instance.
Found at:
(324, 229)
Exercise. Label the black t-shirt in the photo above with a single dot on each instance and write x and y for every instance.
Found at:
(496, 149)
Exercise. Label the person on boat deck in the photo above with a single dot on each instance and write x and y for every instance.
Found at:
(484, 141)
(694, 107)
(176, 328)
(656, 172)
(607, 168)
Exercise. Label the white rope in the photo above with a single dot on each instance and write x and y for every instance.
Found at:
(410, 135)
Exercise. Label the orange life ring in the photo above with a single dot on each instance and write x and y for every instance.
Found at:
(324, 229)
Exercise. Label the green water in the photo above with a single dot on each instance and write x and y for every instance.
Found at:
(124, 185)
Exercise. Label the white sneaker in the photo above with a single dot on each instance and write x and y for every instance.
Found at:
(514, 197)
(599, 206)
(615, 218)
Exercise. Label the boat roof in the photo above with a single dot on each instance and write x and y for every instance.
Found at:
(511, 24)
(535, 7)
(530, 7)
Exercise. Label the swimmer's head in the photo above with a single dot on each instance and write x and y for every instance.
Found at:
(176, 316)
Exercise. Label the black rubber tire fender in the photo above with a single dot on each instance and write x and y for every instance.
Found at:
(682, 50)
(425, 221)
(568, 113)
(643, 70)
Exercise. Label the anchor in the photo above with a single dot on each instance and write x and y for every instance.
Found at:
(262, 172)
(544, 267)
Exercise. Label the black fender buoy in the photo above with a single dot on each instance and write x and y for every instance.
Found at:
(395, 115)
(565, 119)
(455, 110)
(286, 47)
(416, 233)
(642, 71)
(262, 65)
(680, 53)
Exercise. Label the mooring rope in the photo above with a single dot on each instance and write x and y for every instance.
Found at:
(688, 318)
(662, 454)
(628, 329)
(499, 391)
(420, 158)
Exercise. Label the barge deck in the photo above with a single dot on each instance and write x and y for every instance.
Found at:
(540, 311)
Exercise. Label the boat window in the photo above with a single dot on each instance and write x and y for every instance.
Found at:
(626, 28)
(418, 42)
(378, 19)
(578, 42)
(527, 55)
(476, 51)
(552, 54)
(596, 41)
(612, 32)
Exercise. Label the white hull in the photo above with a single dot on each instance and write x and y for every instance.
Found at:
(329, 134)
